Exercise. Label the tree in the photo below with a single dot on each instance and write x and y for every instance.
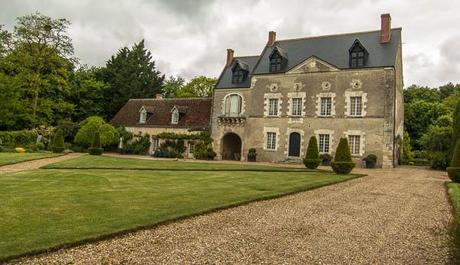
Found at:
(312, 159)
(414, 93)
(200, 86)
(342, 163)
(96, 148)
(131, 73)
(456, 123)
(407, 154)
(108, 134)
(5, 41)
(58, 142)
(172, 85)
(454, 170)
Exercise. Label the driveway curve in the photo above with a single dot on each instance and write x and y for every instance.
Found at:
(397, 216)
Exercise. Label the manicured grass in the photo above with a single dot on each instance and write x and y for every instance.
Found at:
(453, 189)
(105, 162)
(13, 158)
(42, 209)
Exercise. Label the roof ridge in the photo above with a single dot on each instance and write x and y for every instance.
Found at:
(194, 98)
(245, 56)
(332, 35)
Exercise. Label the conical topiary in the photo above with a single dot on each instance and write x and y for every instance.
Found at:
(312, 159)
(454, 170)
(95, 148)
(342, 164)
(58, 142)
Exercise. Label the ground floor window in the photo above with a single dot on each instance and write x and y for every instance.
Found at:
(191, 146)
(271, 140)
(324, 143)
(354, 144)
(155, 144)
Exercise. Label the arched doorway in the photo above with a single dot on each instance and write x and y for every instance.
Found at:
(231, 147)
(294, 144)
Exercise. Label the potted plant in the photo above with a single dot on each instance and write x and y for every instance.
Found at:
(325, 159)
(252, 155)
(370, 160)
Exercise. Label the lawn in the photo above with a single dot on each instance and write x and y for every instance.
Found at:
(13, 158)
(453, 189)
(42, 209)
(106, 162)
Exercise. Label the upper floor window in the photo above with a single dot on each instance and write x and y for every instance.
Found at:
(239, 74)
(233, 105)
(278, 59)
(296, 106)
(143, 116)
(358, 55)
(175, 116)
(273, 107)
(356, 106)
(326, 106)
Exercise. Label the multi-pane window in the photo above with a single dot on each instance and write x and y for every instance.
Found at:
(271, 140)
(324, 143)
(273, 107)
(238, 76)
(275, 63)
(143, 116)
(191, 146)
(354, 144)
(233, 105)
(175, 117)
(356, 106)
(326, 106)
(296, 106)
(357, 59)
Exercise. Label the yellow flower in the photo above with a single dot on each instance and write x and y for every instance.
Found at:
(20, 150)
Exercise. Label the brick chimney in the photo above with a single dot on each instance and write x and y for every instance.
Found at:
(385, 29)
(271, 38)
(229, 57)
(159, 96)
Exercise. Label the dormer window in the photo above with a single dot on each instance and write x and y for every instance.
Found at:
(278, 60)
(174, 116)
(358, 55)
(142, 115)
(239, 72)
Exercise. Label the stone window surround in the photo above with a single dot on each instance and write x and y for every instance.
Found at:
(277, 132)
(302, 141)
(331, 138)
(267, 97)
(331, 95)
(301, 95)
(348, 95)
(243, 102)
(362, 140)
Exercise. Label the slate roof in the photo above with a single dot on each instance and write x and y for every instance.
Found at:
(195, 113)
(332, 49)
(225, 79)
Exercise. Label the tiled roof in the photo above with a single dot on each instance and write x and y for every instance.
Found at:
(225, 79)
(195, 113)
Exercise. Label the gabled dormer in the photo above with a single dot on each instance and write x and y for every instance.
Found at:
(358, 55)
(240, 72)
(278, 60)
(142, 115)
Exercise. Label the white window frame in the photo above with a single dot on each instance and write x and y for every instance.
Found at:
(267, 110)
(356, 106)
(354, 143)
(273, 106)
(324, 143)
(331, 139)
(326, 107)
(348, 104)
(297, 107)
(191, 147)
(271, 141)
(362, 141)
(266, 145)
(142, 115)
(227, 105)
(319, 97)
(174, 116)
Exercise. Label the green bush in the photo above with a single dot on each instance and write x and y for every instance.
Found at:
(22, 138)
(108, 134)
(138, 146)
(96, 148)
(371, 160)
(342, 164)
(171, 149)
(58, 142)
(437, 142)
(312, 159)
(252, 155)
(407, 154)
(325, 159)
(454, 170)
(203, 151)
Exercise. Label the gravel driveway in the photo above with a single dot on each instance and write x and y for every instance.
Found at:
(398, 216)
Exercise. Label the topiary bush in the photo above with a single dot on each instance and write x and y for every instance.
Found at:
(312, 159)
(96, 148)
(454, 170)
(58, 142)
(109, 136)
(342, 164)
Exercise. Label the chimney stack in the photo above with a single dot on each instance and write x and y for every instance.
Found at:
(385, 29)
(229, 57)
(159, 96)
(271, 38)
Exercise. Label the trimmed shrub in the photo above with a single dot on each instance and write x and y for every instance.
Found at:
(18, 138)
(58, 142)
(312, 159)
(342, 164)
(108, 134)
(454, 170)
(96, 148)
(203, 151)
(252, 155)
(371, 160)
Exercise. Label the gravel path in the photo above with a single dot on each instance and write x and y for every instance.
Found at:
(36, 164)
(398, 216)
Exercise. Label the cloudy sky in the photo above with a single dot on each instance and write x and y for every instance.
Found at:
(189, 38)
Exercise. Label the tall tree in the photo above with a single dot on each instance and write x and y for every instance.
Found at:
(200, 86)
(131, 73)
(172, 85)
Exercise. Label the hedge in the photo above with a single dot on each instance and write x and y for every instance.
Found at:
(18, 138)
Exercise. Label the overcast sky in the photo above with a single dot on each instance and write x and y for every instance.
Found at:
(190, 38)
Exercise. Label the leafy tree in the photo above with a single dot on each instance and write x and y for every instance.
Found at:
(172, 85)
(407, 154)
(131, 73)
(200, 86)
(108, 134)
(415, 93)
(96, 148)
(312, 159)
(5, 41)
